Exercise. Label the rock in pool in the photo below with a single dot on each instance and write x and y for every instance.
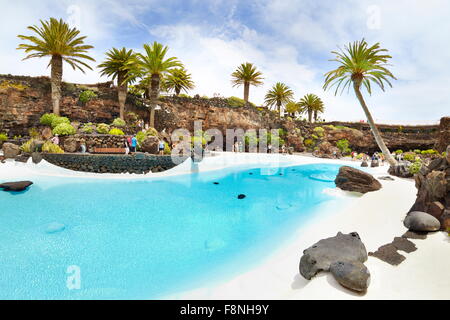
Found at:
(242, 196)
(55, 227)
(15, 186)
(421, 221)
(353, 275)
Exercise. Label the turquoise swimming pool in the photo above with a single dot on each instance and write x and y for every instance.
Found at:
(144, 239)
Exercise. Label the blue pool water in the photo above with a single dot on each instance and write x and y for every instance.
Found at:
(144, 239)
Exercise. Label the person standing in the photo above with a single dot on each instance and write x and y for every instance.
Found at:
(161, 147)
(127, 146)
(133, 144)
(55, 139)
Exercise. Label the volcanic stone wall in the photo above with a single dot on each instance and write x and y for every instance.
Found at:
(138, 164)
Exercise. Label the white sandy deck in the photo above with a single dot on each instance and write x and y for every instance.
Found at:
(377, 217)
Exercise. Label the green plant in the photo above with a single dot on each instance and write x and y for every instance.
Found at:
(308, 143)
(47, 119)
(116, 132)
(184, 95)
(3, 137)
(344, 146)
(103, 128)
(26, 147)
(319, 131)
(415, 167)
(141, 136)
(59, 120)
(34, 133)
(399, 151)
(417, 151)
(167, 149)
(409, 156)
(87, 128)
(64, 129)
(49, 147)
(11, 85)
(429, 152)
(87, 96)
(119, 123)
(236, 102)
(360, 156)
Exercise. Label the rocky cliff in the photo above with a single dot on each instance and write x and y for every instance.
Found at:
(24, 99)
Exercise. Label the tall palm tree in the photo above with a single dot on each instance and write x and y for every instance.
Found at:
(154, 64)
(278, 96)
(178, 79)
(117, 66)
(247, 75)
(57, 40)
(310, 104)
(362, 65)
(318, 108)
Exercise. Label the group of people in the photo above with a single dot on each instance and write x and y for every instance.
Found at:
(131, 144)
(366, 158)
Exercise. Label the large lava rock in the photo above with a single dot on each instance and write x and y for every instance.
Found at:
(341, 248)
(150, 145)
(353, 275)
(400, 170)
(15, 186)
(327, 150)
(421, 221)
(10, 150)
(351, 179)
(71, 145)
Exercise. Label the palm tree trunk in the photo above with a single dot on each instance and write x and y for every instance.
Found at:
(177, 91)
(375, 132)
(122, 94)
(279, 109)
(56, 79)
(154, 94)
(246, 92)
(309, 115)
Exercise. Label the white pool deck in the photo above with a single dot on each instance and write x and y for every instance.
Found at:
(377, 217)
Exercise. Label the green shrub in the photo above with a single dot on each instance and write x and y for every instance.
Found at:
(152, 132)
(47, 119)
(184, 95)
(360, 156)
(49, 147)
(87, 96)
(64, 129)
(34, 133)
(429, 152)
(319, 131)
(3, 137)
(119, 123)
(308, 143)
(417, 151)
(236, 102)
(415, 167)
(59, 120)
(315, 137)
(167, 149)
(103, 128)
(344, 146)
(141, 136)
(116, 132)
(26, 147)
(409, 156)
(87, 128)
(399, 151)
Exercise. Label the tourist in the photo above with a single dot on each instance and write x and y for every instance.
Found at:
(129, 141)
(133, 144)
(236, 147)
(127, 145)
(269, 148)
(55, 139)
(83, 146)
(161, 147)
(241, 146)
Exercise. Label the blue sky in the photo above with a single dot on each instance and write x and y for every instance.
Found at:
(289, 40)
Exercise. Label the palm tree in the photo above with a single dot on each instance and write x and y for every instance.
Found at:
(247, 75)
(310, 104)
(292, 108)
(56, 39)
(154, 65)
(362, 65)
(318, 108)
(278, 96)
(117, 66)
(178, 79)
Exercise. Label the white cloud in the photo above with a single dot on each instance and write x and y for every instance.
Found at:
(289, 40)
